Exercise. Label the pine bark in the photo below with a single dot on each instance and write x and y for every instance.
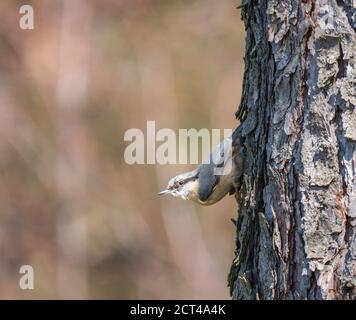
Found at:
(296, 229)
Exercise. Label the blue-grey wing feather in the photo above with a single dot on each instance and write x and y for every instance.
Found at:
(207, 181)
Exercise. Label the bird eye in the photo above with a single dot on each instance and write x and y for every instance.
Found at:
(180, 182)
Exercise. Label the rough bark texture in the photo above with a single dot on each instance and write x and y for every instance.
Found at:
(296, 231)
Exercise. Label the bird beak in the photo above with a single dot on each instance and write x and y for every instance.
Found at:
(164, 192)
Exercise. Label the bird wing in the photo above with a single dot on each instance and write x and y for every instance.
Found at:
(207, 181)
(228, 149)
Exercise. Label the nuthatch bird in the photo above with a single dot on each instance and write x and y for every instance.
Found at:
(211, 181)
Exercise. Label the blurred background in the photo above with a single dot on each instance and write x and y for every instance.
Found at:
(89, 224)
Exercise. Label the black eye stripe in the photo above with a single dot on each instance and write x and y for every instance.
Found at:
(179, 183)
(187, 180)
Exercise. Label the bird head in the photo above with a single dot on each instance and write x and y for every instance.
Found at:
(184, 186)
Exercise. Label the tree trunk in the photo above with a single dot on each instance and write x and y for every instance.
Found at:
(296, 230)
